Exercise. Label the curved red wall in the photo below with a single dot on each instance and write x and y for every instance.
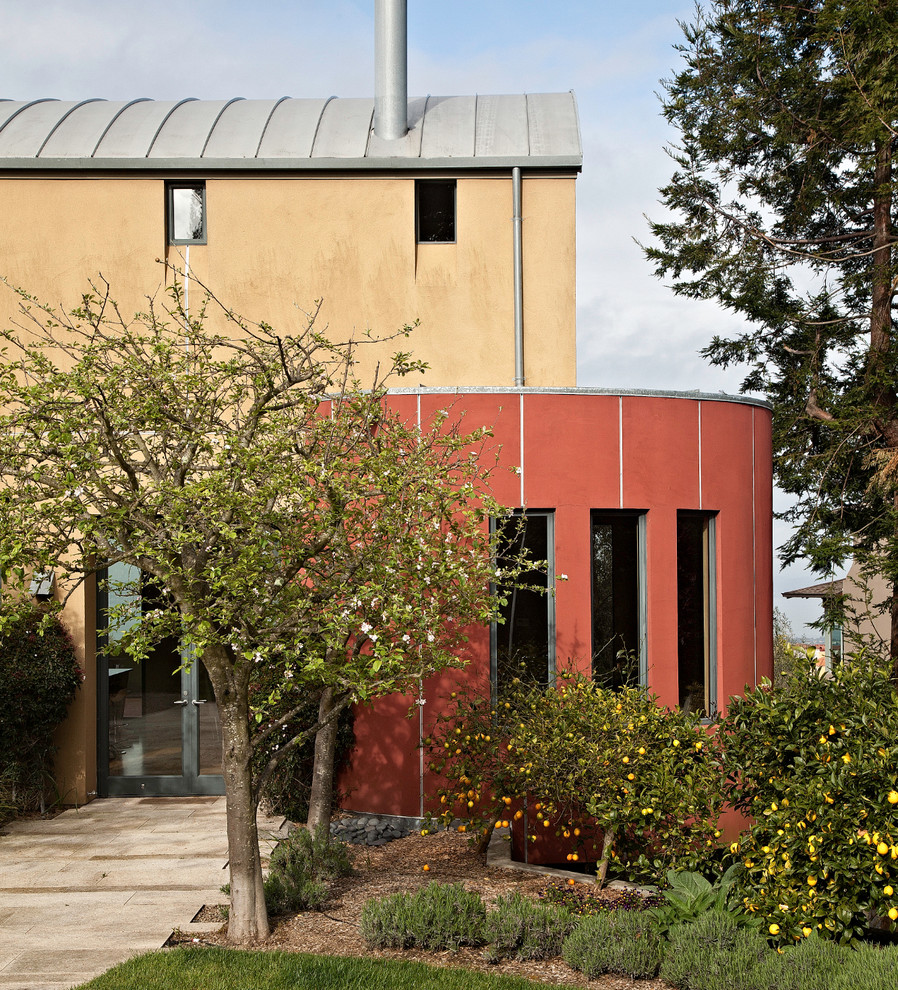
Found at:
(582, 449)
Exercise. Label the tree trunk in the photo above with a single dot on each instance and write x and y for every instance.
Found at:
(321, 799)
(881, 342)
(248, 918)
(602, 866)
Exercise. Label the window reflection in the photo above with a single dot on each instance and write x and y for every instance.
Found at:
(187, 213)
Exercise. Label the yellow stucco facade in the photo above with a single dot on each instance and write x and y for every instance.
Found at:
(277, 243)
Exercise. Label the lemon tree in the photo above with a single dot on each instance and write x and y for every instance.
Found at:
(581, 755)
(815, 765)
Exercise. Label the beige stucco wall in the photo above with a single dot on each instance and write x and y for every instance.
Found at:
(868, 621)
(275, 245)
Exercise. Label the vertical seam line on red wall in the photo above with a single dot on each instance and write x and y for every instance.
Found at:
(754, 542)
(620, 446)
(521, 430)
(421, 699)
(700, 454)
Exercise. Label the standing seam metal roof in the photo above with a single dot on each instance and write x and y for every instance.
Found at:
(457, 131)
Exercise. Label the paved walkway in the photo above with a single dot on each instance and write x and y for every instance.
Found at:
(93, 886)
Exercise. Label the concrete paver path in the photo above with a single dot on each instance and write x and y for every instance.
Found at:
(96, 885)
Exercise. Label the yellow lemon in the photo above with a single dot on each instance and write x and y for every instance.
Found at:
(893, 797)
(774, 929)
(893, 913)
(888, 890)
(882, 849)
(425, 868)
(812, 881)
(806, 931)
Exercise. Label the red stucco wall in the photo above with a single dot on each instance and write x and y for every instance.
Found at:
(579, 450)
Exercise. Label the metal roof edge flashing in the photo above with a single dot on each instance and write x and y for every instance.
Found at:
(528, 165)
(638, 393)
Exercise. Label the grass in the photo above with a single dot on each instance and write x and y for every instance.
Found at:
(237, 969)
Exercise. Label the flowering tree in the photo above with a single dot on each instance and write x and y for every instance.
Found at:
(290, 520)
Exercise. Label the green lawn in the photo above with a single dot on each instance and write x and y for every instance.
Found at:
(234, 969)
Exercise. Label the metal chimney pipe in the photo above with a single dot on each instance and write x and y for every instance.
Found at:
(390, 69)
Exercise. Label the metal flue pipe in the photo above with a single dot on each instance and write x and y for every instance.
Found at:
(390, 69)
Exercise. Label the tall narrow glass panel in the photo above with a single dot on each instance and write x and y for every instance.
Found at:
(695, 612)
(523, 643)
(145, 721)
(615, 598)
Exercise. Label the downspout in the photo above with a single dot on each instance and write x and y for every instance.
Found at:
(518, 278)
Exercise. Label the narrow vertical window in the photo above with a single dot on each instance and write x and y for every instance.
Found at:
(186, 207)
(618, 598)
(523, 644)
(696, 612)
(435, 211)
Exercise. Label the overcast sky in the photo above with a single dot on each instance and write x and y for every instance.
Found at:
(632, 331)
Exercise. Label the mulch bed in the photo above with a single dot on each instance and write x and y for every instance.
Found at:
(399, 866)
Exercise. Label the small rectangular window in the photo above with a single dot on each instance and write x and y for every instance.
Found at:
(523, 644)
(618, 598)
(696, 612)
(435, 211)
(186, 206)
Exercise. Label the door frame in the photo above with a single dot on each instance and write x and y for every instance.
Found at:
(190, 781)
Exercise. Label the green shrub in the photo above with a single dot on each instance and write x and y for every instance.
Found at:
(690, 895)
(301, 869)
(713, 952)
(39, 675)
(518, 927)
(869, 968)
(649, 776)
(814, 764)
(440, 916)
(623, 942)
(583, 900)
(812, 964)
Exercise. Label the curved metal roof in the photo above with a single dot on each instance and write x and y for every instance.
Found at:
(444, 131)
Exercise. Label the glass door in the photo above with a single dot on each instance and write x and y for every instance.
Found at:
(158, 731)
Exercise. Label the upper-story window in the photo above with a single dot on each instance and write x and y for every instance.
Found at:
(435, 211)
(186, 208)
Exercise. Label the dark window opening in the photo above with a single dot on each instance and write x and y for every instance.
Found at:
(695, 612)
(435, 211)
(524, 642)
(616, 599)
(186, 206)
